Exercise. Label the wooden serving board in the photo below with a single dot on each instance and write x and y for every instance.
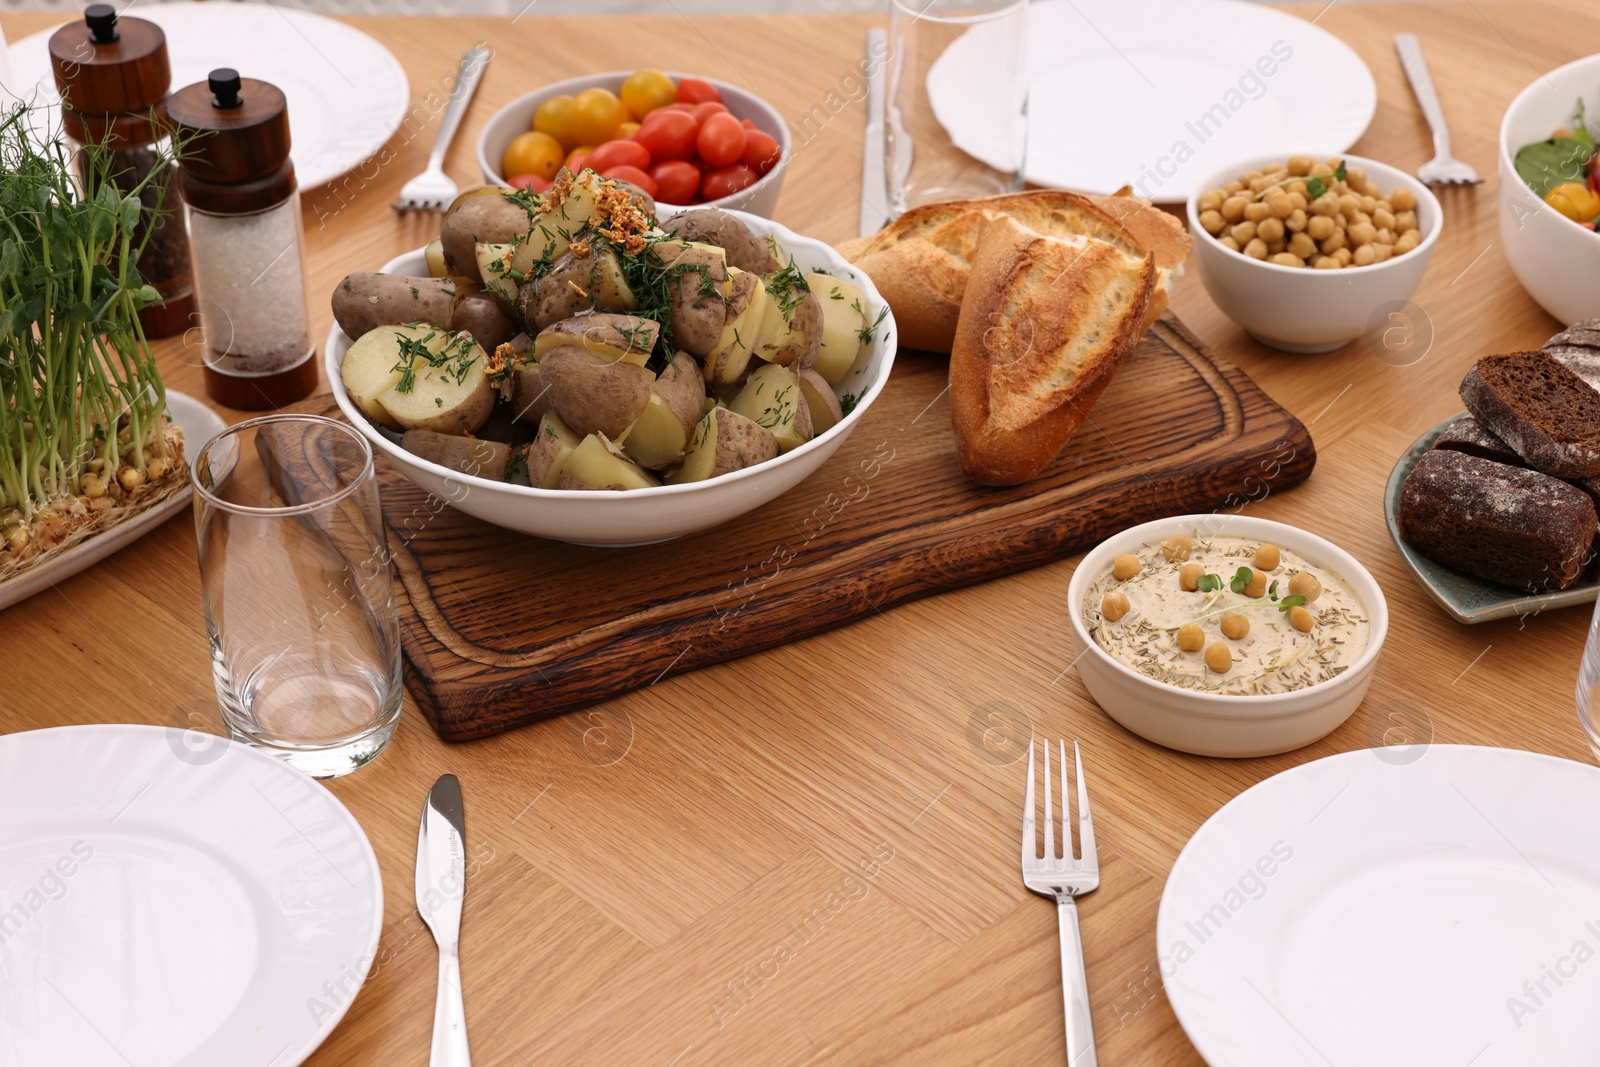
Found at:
(500, 630)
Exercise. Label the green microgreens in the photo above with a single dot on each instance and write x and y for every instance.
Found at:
(1213, 584)
(1316, 185)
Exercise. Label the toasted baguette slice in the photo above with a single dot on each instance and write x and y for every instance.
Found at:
(921, 261)
(1046, 324)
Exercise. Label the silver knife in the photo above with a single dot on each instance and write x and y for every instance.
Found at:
(441, 887)
(874, 194)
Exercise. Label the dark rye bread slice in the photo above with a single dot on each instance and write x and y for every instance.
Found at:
(1466, 434)
(1578, 346)
(1533, 403)
(1501, 523)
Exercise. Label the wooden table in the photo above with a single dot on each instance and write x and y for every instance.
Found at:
(808, 856)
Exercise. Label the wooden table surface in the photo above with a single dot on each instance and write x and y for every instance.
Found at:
(809, 856)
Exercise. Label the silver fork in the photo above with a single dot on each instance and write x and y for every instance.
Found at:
(1065, 878)
(432, 190)
(1442, 169)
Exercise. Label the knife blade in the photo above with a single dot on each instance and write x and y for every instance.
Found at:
(441, 888)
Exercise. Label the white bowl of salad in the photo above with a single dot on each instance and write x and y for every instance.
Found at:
(1550, 189)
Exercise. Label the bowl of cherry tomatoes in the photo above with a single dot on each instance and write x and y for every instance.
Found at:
(684, 140)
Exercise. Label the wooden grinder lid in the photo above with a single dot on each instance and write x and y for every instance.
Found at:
(109, 66)
(241, 160)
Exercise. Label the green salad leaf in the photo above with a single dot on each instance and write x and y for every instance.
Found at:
(1544, 165)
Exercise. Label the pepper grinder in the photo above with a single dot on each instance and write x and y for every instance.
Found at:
(249, 249)
(113, 75)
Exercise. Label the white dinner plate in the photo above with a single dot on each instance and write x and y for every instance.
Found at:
(347, 93)
(173, 898)
(1393, 907)
(1159, 94)
(200, 424)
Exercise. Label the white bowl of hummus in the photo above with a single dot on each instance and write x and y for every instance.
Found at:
(1226, 635)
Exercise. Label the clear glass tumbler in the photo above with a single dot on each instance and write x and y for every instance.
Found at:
(294, 573)
(955, 123)
(1589, 684)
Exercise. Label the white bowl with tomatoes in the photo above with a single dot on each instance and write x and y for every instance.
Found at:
(685, 140)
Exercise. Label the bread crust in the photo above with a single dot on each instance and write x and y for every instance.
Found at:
(1516, 420)
(1033, 347)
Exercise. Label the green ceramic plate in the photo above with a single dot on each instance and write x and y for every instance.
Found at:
(1466, 598)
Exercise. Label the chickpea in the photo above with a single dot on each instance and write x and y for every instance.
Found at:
(1268, 557)
(1271, 170)
(1235, 625)
(1321, 170)
(1369, 204)
(1211, 199)
(1403, 221)
(1125, 566)
(1371, 189)
(1301, 619)
(1324, 263)
(1190, 637)
(1177, 547)
(1256, 249)
(1382, 252)
(1233, 187)
(1300, 166)
(1303, 584)
(1227, 241)
(1355, 176)
(1114, 605)
(1298, 198)
(1385, 237)
(1250, 176)
(1276, 247)
(130, 478)
(1212, 221)
(1279, 203)
(1233, 208)
(1303, 246)
(1408, 240)
(1361, 233)
(1334, 242)
(1383, 220)
(1342, 256)
(1326, 205)
(1218, 658)
(1189, 577)
(1320, 227)
(1403, 199)
(1349, 204)
(1365, 256)
(1256, 210)
(1244, 231)
(1257, 586)
(1270, 229)
(1296, 222)
(1261, 184)
(1361, 218)
(93, 486)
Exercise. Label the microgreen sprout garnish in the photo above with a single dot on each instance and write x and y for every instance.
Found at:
(1316, 185)
(1213, 584)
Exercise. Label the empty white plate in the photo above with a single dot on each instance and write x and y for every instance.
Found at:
(1390, 908)
(1158, 94)
(346, 92)
(170, 897)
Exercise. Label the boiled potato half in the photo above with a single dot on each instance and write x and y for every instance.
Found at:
(791, 331)
(486, 215)
(661, 433)
(442, 386)
(741, 328)
(699, 301)
(593, 394)
(598, 464)
(553, 231)
(725, 441)
(574, 285)
(549, 451)
(844, 317)
(373, 365)
(823, 403)
(771, 398)
(625, 337)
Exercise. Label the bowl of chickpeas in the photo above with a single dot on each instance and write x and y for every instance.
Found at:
(1225, 635)
(1308, 254)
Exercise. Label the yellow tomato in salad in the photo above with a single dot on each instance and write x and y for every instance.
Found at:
(1575, 200)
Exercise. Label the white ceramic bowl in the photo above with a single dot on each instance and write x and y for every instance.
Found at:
(1556, 260)
(660, 513)
(517, 118)
(1213, 724)
(1298, 310)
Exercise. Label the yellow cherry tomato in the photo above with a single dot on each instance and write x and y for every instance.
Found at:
(627, 129)
(551, 118)
(646, 90)
(594, 116)
(534, 152)
(1574, 200)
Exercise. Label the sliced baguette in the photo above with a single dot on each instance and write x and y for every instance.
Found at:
(921, 261)
(1046, 324)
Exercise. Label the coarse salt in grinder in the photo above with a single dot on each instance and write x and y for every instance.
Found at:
(246, 239)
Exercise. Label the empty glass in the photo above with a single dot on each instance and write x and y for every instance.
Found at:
(955, 123)
(1589, 684)
(294, 574)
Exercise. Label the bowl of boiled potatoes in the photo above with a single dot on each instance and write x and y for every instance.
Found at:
(1308, 253)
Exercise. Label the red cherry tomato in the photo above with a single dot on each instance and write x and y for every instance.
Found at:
(697, 91)
(687, 109)
(707, 109)
(747, 124)
(721, 140)
(725, 181)
(529, 181)
(634, 176)
(760, 151)
(668, 134)
(618, 154)
(677, 182)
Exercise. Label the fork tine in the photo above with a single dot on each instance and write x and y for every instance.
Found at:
(1030, 851)
(1085, 824)
(1049, 816)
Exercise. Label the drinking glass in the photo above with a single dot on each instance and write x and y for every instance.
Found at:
(963, 62)
(1589, 684)
(294, 574)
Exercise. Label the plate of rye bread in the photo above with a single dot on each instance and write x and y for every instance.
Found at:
(1494, 510)
(1038, 297)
